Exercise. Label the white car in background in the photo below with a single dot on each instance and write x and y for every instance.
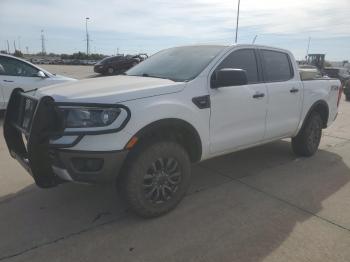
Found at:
(15, 72)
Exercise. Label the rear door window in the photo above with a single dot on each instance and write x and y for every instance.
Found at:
(277, 66)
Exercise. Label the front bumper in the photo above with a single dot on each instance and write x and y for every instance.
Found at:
(28, 129)
(99, 69)
(72, 165)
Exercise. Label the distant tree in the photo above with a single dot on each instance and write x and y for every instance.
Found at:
(3, 52)
(18, 53)
(80, 56)
(83, 56)
(96, 56)
(64, 56)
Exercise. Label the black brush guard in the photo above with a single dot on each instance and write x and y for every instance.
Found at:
(42, 124)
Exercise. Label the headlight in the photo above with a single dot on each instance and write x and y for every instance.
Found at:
(79, 117)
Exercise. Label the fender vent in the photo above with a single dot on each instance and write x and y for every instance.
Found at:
(202, 102)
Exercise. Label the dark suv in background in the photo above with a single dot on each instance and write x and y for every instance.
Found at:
(343, 75)
(346, 87)
(337, 72)
(114, 65)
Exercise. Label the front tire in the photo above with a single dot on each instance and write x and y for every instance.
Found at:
(307, 141)
(156, 178)
(110, 71)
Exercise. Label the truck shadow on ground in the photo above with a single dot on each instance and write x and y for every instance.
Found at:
(223, 216)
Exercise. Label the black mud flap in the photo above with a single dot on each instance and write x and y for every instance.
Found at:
(35, 156)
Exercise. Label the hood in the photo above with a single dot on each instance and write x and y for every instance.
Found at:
(63, 78)
(55, 76)
(110, 90)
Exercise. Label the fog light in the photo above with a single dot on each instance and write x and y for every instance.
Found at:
(87, 164)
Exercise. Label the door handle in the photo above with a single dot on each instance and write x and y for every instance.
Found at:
(294, 90)
(8, 81)
(258, 95)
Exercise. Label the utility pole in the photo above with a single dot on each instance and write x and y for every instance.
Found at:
(308, 48)
(43, 49)
(8, 46)
(14, 45)
(237, 22)
(27, 49)
(87, 35)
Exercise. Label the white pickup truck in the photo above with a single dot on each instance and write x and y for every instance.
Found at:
(142, 130)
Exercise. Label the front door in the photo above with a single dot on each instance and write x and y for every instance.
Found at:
(15, 73)
(238, 113)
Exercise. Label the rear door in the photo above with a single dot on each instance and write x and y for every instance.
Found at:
(285, 94)
(238, 112)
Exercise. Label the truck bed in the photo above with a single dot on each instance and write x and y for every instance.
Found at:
(328, 88)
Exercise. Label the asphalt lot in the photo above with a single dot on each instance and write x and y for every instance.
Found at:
(261, 204)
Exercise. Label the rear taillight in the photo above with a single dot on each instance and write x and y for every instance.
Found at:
(340, 94)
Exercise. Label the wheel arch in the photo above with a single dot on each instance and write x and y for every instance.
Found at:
(322, 108)
(173, 128)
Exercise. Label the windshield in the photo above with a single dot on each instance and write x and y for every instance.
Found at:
(177, 64)
(110, 59)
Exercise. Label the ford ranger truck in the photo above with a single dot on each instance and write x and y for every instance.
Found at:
(142, 130)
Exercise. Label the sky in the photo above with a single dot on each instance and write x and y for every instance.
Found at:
(134, 26)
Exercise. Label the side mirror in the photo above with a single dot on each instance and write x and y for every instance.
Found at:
(229, 77)
(41, 74)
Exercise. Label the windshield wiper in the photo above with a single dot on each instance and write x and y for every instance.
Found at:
(148, 75)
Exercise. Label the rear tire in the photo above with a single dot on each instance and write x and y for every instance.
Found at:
(307, 141)
(156, 178)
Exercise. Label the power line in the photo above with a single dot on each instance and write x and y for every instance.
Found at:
(255, 37)
(19, 43)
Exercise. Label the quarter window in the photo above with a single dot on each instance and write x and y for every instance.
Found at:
(277, 66)
(243, 59)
